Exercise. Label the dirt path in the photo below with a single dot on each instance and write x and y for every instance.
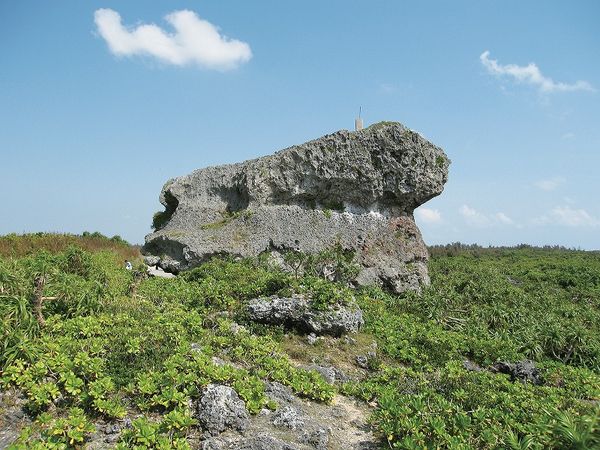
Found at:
(347, 422)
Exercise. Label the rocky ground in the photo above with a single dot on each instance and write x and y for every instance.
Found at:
(234, 354)
(296, 423)
(12, 416)
(300, 424)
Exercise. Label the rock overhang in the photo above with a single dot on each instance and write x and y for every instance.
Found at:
(358, 189)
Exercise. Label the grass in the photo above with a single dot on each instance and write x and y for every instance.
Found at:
(227, 217)
(13, 245)
(489, 305)
(328, 351)
(104, 353)
(160, 219)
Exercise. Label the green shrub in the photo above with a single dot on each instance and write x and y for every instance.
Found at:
(160, 219)
(453, 408)
(105, 353)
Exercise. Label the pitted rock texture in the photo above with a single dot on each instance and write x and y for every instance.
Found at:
(357, 189)
(220, 408)
(524, 371)
(13, 416)
(296, 312)
(300, 424)
(258, 442)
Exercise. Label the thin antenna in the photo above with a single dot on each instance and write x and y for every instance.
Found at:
(358, 123)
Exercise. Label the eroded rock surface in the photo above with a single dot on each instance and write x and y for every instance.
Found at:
(523, 371)
(12, 416)
(356, 189)
(220, 408)
(297, 312)
(300, 424)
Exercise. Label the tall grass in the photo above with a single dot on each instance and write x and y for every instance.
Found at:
(16, 246)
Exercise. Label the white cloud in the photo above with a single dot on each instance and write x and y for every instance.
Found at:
(479, 219)
(503, 218)
(567, 136)
(194, 41)
(549, 184)
(427, 215)
(531, 74)
(565, 215)
(473, 217)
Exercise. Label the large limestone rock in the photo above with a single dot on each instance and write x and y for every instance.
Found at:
(358, 189)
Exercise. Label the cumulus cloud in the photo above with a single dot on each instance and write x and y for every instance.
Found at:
(194, 41)
(569, 217)
(531, 74)
(473, 217)
(427, 215)
(478, 219)
(549, 184)
(504, 219)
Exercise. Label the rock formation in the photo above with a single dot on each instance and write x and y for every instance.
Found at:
(220, 408)
(356, 189)
(299, 424)
(296, 312)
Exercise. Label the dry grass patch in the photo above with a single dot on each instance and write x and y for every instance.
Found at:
(16, 246)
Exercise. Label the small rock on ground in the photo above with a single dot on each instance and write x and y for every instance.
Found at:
(296, 312)
(220, 408)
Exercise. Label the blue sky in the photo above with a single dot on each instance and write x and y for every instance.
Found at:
(96, 113)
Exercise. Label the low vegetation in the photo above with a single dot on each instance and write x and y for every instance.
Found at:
(14, 245)
(99, 351)
(509, 305)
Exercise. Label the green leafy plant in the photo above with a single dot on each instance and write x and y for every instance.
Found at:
(68, 432)
(105, 354)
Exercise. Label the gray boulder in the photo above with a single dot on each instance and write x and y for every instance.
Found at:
(331, 374)
(366, 361)
(524, 371)
(259, 442)
(220, 408)
(317, 438)
(151, 260)
(158, 272)
(300, 424)
(354, 189)
(296, 312)
(13, 416)
(288, 417)
(279, 393)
